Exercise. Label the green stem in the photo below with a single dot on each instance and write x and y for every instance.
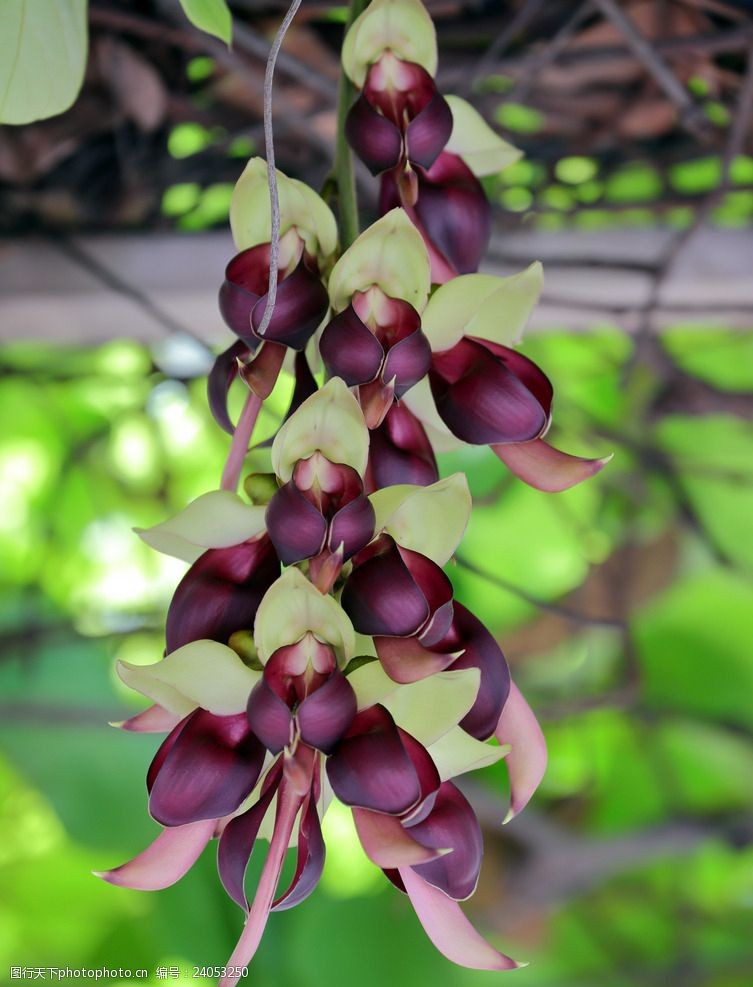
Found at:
(346, 185)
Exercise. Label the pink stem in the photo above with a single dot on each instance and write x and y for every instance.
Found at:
(241, 440)
(288, 804)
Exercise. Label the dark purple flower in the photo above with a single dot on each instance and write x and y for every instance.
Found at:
(400, 452)
(221, 592)
(376, 342)
(322, 508)
(399, 118)
(395, 592)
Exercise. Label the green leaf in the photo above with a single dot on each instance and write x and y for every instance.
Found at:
(210, 16)
(43, 45)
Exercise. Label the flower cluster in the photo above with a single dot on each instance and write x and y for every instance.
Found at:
(315, 649)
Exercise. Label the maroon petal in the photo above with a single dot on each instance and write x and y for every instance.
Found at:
(452, 825)
(481, 651)
(382, 597)
(454, 212)
(221, 376)
(406, 660)
(300, 306)
(374, 138)
(408, 362)
(426, 770)
(350, 350)
(221, 592)
(371, 768)
(541, 466)
(400, 452)
(352, 526)
(525, 370)
(269, 717)
(325, 714)
(237, 841)
(480, 400)
(436, 588)
(310, 861)
(209, 770)
(429, 131)
(296, 527)
(386, 842)
(246, 279)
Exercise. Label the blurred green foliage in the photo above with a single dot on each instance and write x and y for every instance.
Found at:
(644, 681)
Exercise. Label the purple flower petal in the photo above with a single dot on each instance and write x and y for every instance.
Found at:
(454, 212)
(400, 452)
(545, 468)
(480, 400)
(296, 527)
(375, 139)
(429, 131)
(452, 825)
(310, 861)
(237, 841)
(481, 651)
(246, 279)
(526, 762)
(325, 714)
(221, 592)
(165, 860)
(528, 372)
(370, 767)
(406, 660)
(300, 306)
(210, 768)
(449, 929)
(350, 350)
(221, 376)
(154, 719)
(407, 361)
(352, 526)
(269, 717)
(387, 843)
(382, 597)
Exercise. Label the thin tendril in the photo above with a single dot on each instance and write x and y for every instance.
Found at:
(274, 200)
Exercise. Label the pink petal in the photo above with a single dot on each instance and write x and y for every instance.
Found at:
(526, 762)
(154, 719)
(446, 925)
(165, 861)
(387, 843)
(542, 466)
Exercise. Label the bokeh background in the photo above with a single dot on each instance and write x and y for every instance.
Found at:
(625, 606)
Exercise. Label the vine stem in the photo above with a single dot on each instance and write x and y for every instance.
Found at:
(241, 441)
(346, 185)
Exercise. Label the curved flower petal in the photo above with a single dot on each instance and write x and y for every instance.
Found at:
(270, 718)
(387, 843)
(292, 607)
(202, 673)
(542, 466)
(296, 527)
(352, 527)
(154, 719)
(165, 860)
(482, 305)
(400, 450)
(330, 422)
(237, 842)
(349, 349)
(481, 651)
(474, 141)
(430, 520)
(429, 131)
(375, 139)
(221, 592)
(300, 306)
(400, 26)
(325, 714)
(310, 861)
(212, 764)
(406, 660)
(448, 928)
(526, 762)
(389, 254)
(451, 824)
(221, 376)
(218, 519)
